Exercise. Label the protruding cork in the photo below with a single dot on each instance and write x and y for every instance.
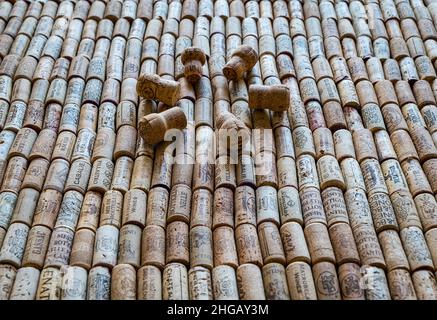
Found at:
(153, 127)
(151, 86)
(193, 60)
(275, 98)
(242, 60)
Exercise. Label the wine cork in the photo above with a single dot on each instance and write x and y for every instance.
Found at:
(7, 277)
(403, 145)
(57, 175)
(82, 250)
(372, 117)
(201, 208)
(157, 206)
(225, 252)
(250, 282)
(59, 249)
(401, 285)
(334, 205)
(200, 284)
(44, 145)
(307, 172)
(201, 253)
(125, 142)
(382, 212)
(23, 143)
(36, 247)
(416, 249)
(149, 283)
(112, 205)
(364, 145)
(318, 242)
(394, 177)
(300, 281)
(349, 278)
(16, 115)
(247, 243)
(323, 142)
(423, 143)
(286, 171)
(141, 173)
(78, 176)
(353, 119)
(175, 282)
(123, 282)
(180, 204)
(267, 204)
(101, 175)
(373, 176)
(405, 209)
(326, 281)
(177, 243)
(295, 246)
(344, 244)
(223, 208)
(8, 201)
(14, 244)
(47, 208)
(312, 206)
(129, 245)
(74, 283)
(424, 284)
(416, 178)
(99, 283)
(393, 252)
(153, 246)
(271, 245)
(49, 286)
(14, 174)
(344, 147)
(104, 144)
(134, 207)
(90, 211)
(329, 172)
(358, 208)
(106, 246)
(368, 246)
(275, 280)
(25, 284)
(423, 93)
(122, 174)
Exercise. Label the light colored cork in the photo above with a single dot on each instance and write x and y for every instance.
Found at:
(175, 282)
(349, 277)
(149, 286)
(25, 284)
(36, 247)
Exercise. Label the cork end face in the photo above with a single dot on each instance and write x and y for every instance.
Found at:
(146, 86)
(248, 54)
(193, 53)
(151, 128)
(230, 73)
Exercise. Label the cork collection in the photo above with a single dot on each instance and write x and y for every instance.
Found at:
(218, 150)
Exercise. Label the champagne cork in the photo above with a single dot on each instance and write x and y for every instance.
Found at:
(312, 206)
(99, 283)
(329, 172)
(368, 246)
(23, 143)
(153, 246)
(7, 277)
(36, 174)
(193, 59)
(300, 281)
(225, 252)
(104, 144)
(224, 283)
(74, 284)
(177, 243)
(82, 250)
(59, 249)
(14, 244)
(307, 172)
(101, 175)
(141, 173)
(175, 282)
(425, 285)
(49, 286)
(149, 283)
(36, 247)
(275, 282)
(295, 246)
(334, 205)
(106, 246)
(394, 177)
(382, 212)
(25, 284)
(223, 208)
(401, 285)
(247, 243)
(393, 252)
(242, 60)
(275, 98)
(349, 278)
(154, 87)
(8, 201)
(123, 282)
(129, 245)
(201, 208)
(14, 174)
(250, 282)
(157, 206)
(326, 281)
(134, 207)
(373, 176)
(57, 175)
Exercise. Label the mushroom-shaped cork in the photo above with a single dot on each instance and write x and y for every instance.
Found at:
(193, 59)
(152, 86)
(275, 98)
(242, 60)
(153, 127)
